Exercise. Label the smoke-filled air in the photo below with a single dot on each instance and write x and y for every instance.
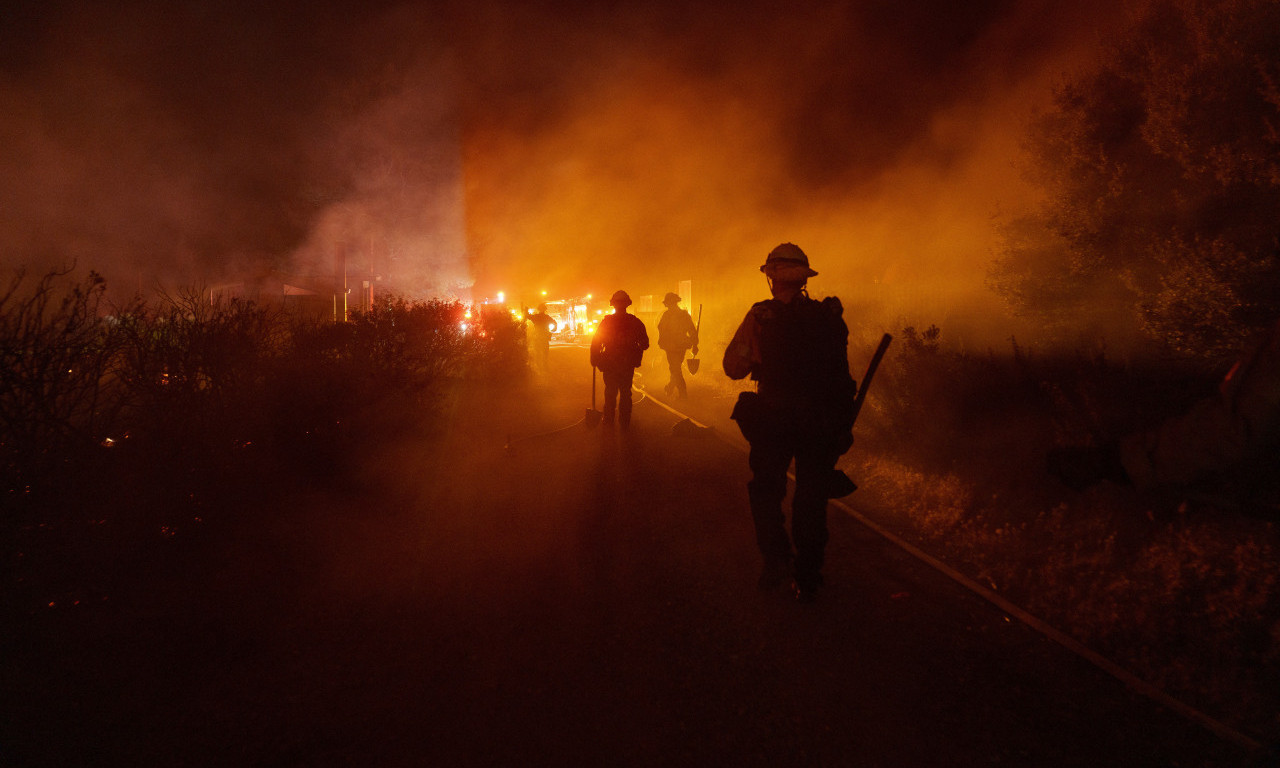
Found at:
(653, 382)
(461, 149)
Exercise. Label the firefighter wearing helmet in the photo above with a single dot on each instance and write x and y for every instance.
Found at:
(796, 350)
(541, 325)
(616, 349)
(677, 334)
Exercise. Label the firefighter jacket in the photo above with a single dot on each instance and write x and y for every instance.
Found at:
(619, 342)
(542, 324)
(676, 331)
(798, 354)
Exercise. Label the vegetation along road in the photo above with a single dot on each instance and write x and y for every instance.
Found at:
(528, 589)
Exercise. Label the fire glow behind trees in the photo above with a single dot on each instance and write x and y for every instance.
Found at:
(567, 146)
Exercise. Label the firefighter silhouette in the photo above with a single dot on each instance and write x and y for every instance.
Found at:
(676, 335)
(795, 348)
(541, 326)
(617, 348)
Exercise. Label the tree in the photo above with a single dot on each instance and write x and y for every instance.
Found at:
(1160, 173)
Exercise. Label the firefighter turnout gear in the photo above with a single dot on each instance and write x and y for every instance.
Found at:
(617, 347)
(676, 335)
(796, 350)
(541, 325)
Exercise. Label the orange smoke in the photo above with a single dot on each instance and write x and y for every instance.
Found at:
(647, 177)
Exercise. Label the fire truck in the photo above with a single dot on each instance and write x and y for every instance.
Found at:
(576, 319)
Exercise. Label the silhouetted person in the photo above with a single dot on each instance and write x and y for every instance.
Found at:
(1218, 438)
(676, 335)
(796, 349)
(616, 349)
(541, 326)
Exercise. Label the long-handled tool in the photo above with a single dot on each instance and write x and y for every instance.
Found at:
(693, 361)
(593, 417)
(871, 371)
(839, 485)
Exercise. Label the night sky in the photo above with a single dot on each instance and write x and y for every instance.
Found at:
(518, 146)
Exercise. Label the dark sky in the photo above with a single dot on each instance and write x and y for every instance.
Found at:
(506, 141)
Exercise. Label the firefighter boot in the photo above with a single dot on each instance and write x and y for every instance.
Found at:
(805, 587)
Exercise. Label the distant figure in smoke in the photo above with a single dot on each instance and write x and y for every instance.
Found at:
(796, 349)
(1219, 439)
(676, 335)
(541, 326)
(616, 349)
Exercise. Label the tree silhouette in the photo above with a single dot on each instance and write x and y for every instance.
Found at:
(1160, 173)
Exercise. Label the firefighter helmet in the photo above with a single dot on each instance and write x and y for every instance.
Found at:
(671, 299)
(787, 262)
(620, 299)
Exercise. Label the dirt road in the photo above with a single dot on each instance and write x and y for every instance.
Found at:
(533, 591)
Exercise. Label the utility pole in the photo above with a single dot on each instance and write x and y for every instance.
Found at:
(340, 301)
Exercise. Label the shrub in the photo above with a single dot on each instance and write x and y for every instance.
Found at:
(1176, 585)
(192, 389)
(58, 392)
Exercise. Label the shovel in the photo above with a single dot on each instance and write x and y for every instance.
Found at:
(693, 361)
(593, 416)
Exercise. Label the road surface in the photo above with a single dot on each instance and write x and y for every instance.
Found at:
(531, 590)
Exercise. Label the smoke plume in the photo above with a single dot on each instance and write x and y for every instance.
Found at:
(465, 148)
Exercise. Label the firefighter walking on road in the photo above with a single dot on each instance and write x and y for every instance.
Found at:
(541, 326)
(796, 349)
(676, 335)
(617, 349)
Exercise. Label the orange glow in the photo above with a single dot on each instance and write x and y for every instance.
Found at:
(648, 176)
(637, 148)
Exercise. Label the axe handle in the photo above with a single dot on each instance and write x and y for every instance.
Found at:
(871, 372)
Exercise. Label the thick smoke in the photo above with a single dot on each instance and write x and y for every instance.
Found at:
(559, 146)
(683, 144)
(202, 143)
